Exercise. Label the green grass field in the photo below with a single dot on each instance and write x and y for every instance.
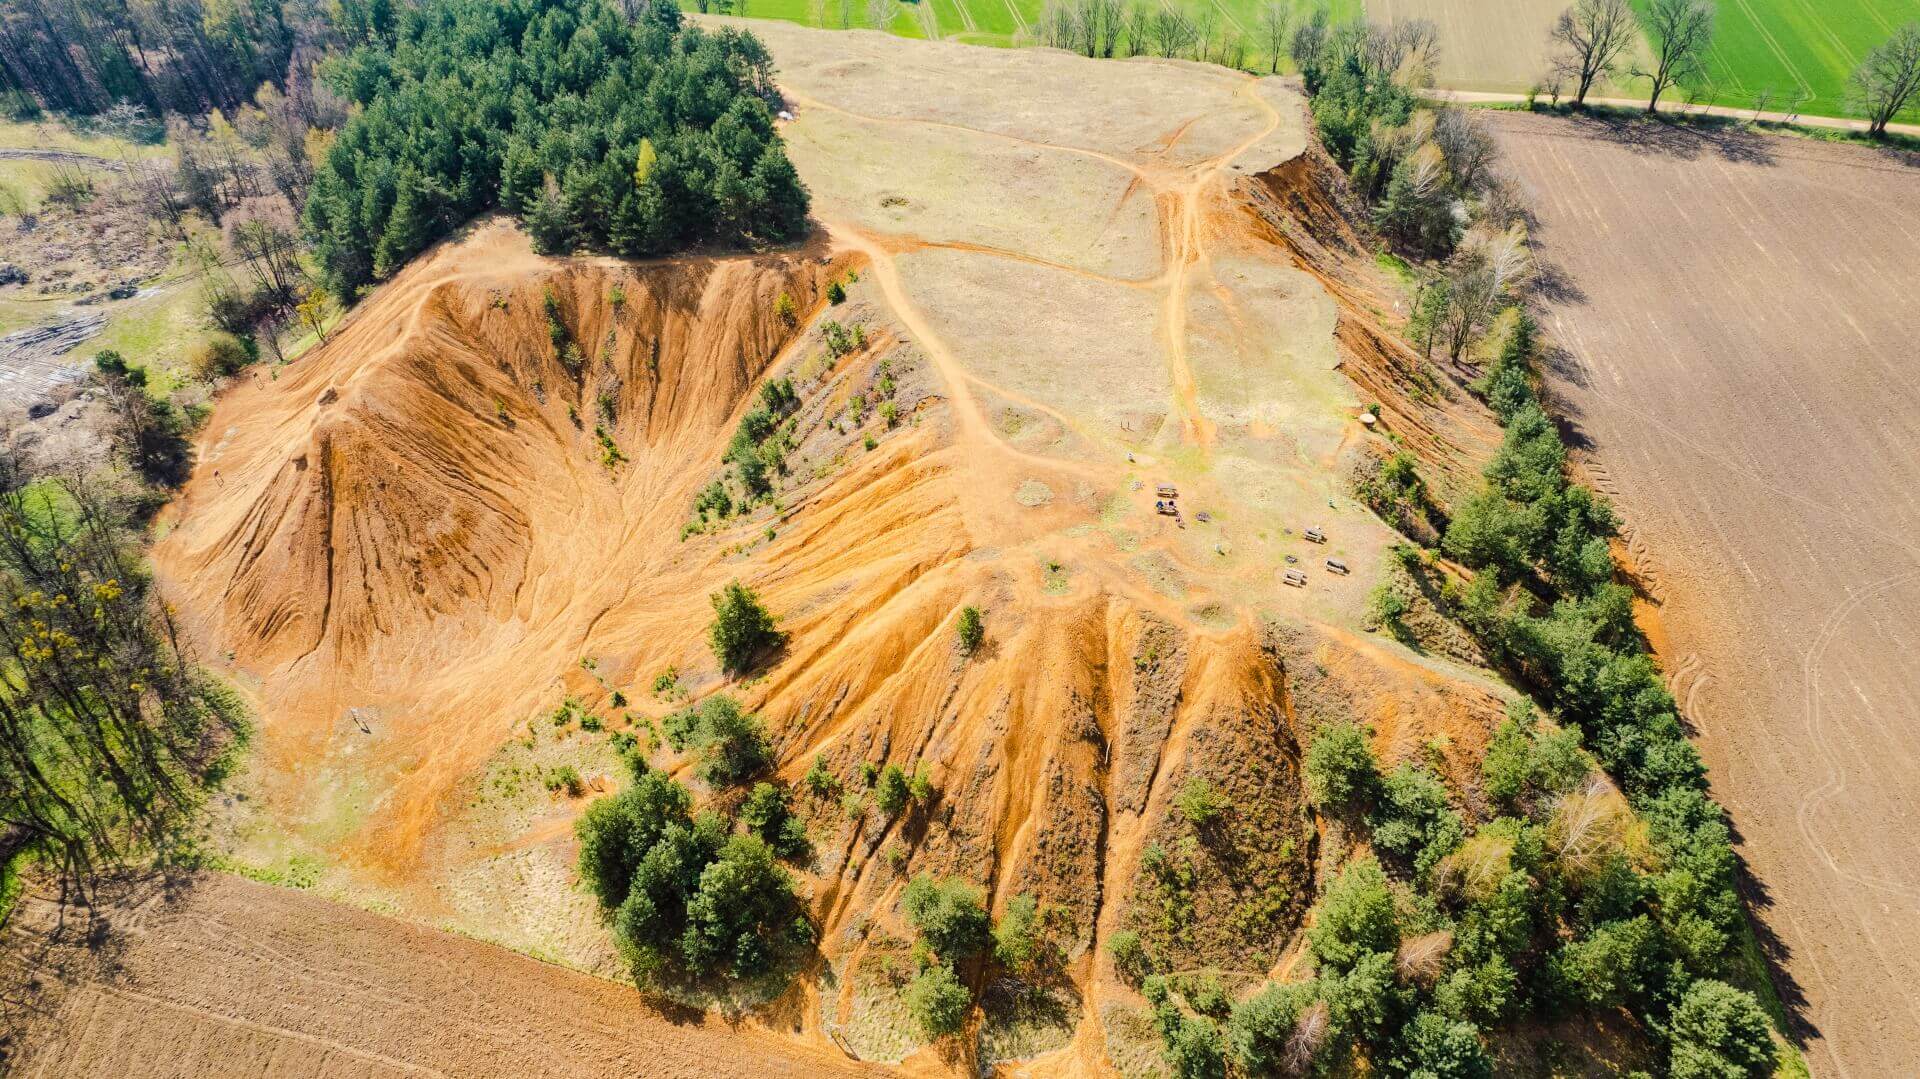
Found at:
(1796, 50)
(979, 22)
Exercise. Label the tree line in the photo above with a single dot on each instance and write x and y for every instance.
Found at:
(185, 56)
(110, 734)
(633, 135)
(1594, 41)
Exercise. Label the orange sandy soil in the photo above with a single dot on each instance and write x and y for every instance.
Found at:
(1125, 274)
(1739, 316)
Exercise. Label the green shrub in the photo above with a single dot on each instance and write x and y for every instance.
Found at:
(1261, 1029)
(891, 793)
(950, 914)
(221, 355)
(744, 906)
(768, 813)
(1339, 767)
(836, 292)
(617, 831)
(820, 782)
(1190, 1044)
(1130, 957)
(1611, 966)
(741, 629)
(1356, 918)
(732, 745)
(567, 778)
(1435, 1045)
(1719, 1032)
(1200, 803)
(1016, 940)
(970, 629)
(938, 1001)
(1413, 819)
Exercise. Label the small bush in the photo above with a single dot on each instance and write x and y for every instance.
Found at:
(1199, 803)
(819, 782)
(768, 813)
(891, 793)
(783, 309)
(1130, 957)
(1719, 1032)
(951, 916)
(221, 355)
(970, 629)
(938, 1001)
(1357, 918)
(1340, 767)
(836, 292)
(1016, 940)
(567, 778)
(741, 629)
(731, 744)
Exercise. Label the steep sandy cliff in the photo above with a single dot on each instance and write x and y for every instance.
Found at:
(414, 542)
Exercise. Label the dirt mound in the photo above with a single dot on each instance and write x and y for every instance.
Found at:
(410, 524)
(478, 500)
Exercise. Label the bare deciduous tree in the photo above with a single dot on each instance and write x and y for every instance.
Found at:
(1172, 31)
(1418, 43)
(1481, 273)
(1276, 18)
(1110, 23)
(1058, 26)
(1591, 36)
(1888, 80)
(1680, 31)
(1467, 144)
(1138, 28)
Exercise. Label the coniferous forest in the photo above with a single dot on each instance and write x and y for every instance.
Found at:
(638, 135)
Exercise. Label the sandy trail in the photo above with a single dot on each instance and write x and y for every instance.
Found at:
(1184, 258)
(1740, 324)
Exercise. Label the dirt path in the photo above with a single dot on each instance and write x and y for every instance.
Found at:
(236, 978)
(1834, 122)
(1739, 317)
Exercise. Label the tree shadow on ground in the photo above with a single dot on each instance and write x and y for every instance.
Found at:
(1774, 952)
(1688, 141)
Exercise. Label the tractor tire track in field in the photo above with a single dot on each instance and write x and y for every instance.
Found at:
(234, 978)
(1738, 379)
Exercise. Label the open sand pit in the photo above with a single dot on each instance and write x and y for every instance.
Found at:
(1740, 322)
(422, 537)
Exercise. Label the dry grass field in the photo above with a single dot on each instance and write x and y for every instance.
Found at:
(1497, 47)
(1739, 322)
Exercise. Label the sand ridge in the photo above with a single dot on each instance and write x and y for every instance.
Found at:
(412, 543)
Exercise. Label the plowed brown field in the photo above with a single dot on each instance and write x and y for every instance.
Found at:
(236, 978)
(1740, 320)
